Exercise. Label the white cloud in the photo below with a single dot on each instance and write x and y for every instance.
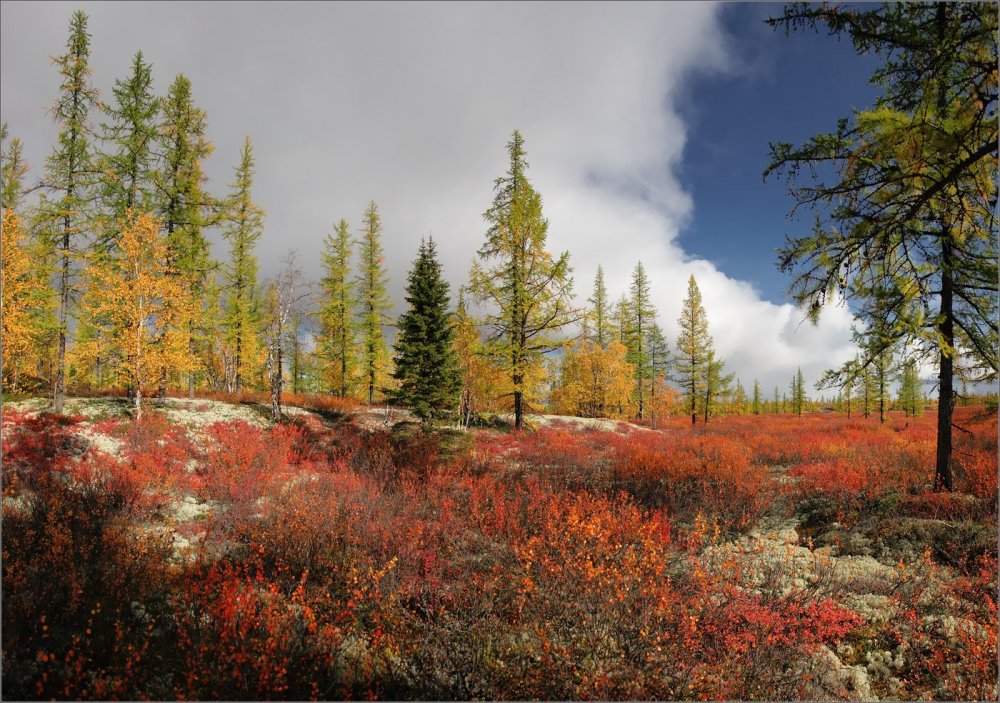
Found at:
(411, 105)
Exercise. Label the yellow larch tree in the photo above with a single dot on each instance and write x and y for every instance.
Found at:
(596, 382)
(140, 304)
(19, 291)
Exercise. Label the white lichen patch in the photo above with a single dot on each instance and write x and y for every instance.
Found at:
(191, 508)
(100, 441)
(196, 415)
(831, 679)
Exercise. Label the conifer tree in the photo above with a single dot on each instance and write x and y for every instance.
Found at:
(426, 366)
(373, 302)
(69, 182)
(182, 206)
(531, 291)
(13, 169)
(882, 371)
(867, 389)
(717, 386)
(336, 344)
(126, 164)
(136, 297)
(740, 398)
(244, 225)
(906, 198)
(910, 396)
(19, 292)
(798, 393)
(641, 315)
(659, 361)
(595, 381)
(694, 349)
(756, 397)
(124, 181)
(620, 320)
(599, 314)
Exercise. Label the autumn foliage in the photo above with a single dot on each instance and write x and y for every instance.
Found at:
(317, 560)
(140, 305)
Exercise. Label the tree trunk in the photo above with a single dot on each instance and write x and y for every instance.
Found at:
(694, 408)
(946, 403)
(518, 404)
(274, 367)
(138, 401)
(59, 392)
(881, 394)
(239, 358)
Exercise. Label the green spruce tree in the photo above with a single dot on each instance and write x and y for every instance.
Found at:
(427, 371)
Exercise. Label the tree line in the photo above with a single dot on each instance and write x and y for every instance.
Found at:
(109, 281)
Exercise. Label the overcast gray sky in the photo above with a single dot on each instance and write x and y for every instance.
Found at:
(412, 104)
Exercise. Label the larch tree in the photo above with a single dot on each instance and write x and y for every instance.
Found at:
(642, 314)
(845, 379)
(882, 370)
(620, 320)
(373, 303)
(123, 170)
(336, 345)
(139, 301)
(867, 389)
(905, 196)
(595, 381)
(599, 314)
(182, 205)
(910, 392)
(69, 181)
(694, 350)
(426, 368)
(126, 162)
(529, 290)
(39, 357)
(740, 398)
(798, 393)
(658, 352)
(244, 226)
(13, 169)
(717, 386)
(20, 290)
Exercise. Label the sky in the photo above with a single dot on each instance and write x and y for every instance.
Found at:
(646, 127)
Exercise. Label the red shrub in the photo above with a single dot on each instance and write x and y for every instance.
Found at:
(241, 463)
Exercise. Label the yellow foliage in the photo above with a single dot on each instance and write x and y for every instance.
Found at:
(19, 288)
(596, 382)
(141, 307)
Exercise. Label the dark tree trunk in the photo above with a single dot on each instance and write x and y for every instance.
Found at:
(518, 404)
(946, 399)
(59, 392)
